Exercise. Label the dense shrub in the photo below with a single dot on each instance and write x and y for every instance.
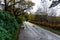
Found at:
(19, 20)
(8, 25)
(54, 26)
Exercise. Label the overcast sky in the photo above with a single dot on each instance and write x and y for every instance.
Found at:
(38, 4)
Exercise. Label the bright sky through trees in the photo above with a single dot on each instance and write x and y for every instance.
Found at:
(48, 3)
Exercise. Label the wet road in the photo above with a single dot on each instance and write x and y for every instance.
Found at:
(34, 32)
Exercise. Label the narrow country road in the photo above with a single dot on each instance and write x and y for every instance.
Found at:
(34, 32)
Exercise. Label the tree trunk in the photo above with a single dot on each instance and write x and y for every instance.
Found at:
(5, 1)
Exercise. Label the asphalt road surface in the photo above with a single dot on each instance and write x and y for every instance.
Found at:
(34, 32)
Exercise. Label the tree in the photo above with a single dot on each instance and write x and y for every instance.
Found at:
(52, 16)
(52, 12)
(54, 3)
(31, 17)
(17, 6)
(41, 15)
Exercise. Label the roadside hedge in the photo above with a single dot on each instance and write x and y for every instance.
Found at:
(8, 25)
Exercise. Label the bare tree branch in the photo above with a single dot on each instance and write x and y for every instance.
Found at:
(16, 3)
(9, 1)
(22, 10)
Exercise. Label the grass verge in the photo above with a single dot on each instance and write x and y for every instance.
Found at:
(49, 29)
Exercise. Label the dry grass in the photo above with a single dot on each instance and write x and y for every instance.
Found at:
(54, 26)
(51, 27)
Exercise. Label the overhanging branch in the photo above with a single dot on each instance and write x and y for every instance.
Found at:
(16, 3)
(18, 13)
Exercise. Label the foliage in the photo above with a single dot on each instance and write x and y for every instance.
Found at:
(16, 7)
(24, 16)
(31, 17)
(50, 21)
(19, 20)
(8, 25)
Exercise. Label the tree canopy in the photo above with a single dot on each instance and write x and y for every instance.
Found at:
(17, 6)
